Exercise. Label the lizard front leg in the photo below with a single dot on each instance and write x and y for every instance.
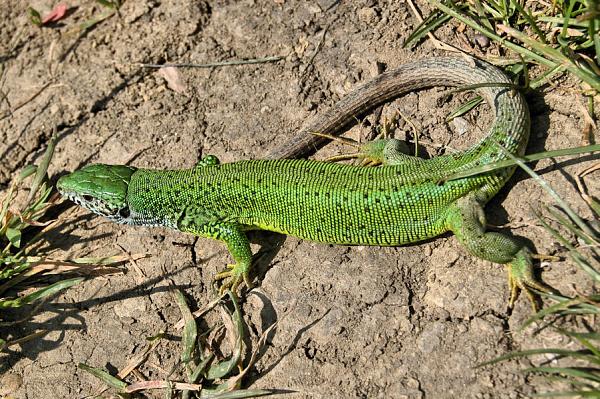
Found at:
(233, 236)
(466, 220)
(239, 248)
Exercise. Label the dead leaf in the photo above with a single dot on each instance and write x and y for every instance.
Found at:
(57, 13)
(173, 78)
(302, 45)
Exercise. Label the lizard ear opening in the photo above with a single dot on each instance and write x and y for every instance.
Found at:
(124, 212)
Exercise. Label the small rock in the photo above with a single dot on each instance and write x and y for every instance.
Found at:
(427, 250)
(135, 10)
(9, 384)
(481, 40)
(367, 15)
(430, 338)
(130, 308)
(461, 125)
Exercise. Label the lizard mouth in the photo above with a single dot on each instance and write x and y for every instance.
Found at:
(91, 203)
(122, 215)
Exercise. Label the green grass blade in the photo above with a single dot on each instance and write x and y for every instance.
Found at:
(34, 16)
(200, 369)
(573, 22)
(529, 18)
(40, 173)
(104, 376)
(571, 227)
(463, 109)
(594, 28)
(223, 368)
(429, 24)
(590, 336)
(556, 309)
(549, 351)
(579, 259)
(552, 193)
(26, 172)
(562, 38)
(109, 4)
(527, 158)
(41, 293)
(17, 266)
(568, 371)
(586, 343)
(482, 17)
(491, 34)
(546, 76)
(239, 394)
(14, 237)
(93, 21)
(556, 57)
(584, 394)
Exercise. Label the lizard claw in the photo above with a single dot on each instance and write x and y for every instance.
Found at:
(232, 278)
(521, 278)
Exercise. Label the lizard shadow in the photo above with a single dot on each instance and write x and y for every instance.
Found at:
(270, 245)
(62, 235)
(10, 147)
(268, 317)
(57, 319)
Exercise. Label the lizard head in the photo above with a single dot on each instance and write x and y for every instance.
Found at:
(99, 188)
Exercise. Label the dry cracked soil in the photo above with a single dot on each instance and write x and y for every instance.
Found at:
(408, 322)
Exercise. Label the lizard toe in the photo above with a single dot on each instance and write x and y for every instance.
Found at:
(521, 277)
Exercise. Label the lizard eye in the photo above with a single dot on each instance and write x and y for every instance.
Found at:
(124, 212)
(88, 198)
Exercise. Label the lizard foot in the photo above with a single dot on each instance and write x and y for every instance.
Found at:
(233, 277)
(379, 152)
(368, 154)
(521, 277)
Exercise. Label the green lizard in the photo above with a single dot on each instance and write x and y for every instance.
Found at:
(398, 203)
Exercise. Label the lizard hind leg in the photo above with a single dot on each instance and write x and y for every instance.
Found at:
(388, 152)
(467, 221)
(376, 152)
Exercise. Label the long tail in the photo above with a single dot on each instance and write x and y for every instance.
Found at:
(510, 128)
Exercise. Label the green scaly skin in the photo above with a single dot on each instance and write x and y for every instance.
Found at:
(398, 203)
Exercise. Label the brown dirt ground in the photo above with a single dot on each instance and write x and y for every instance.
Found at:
(408, 322)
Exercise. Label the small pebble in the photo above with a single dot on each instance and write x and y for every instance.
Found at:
(9, 384)
(481, 40)
(461, 125)
(367, 15)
